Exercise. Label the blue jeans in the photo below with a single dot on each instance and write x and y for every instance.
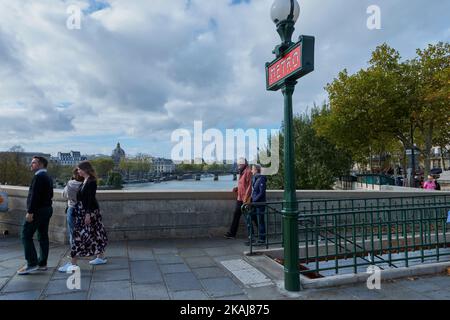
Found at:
(258, 217)
(70, 222)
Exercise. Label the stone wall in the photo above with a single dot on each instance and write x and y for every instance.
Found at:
(163, 214)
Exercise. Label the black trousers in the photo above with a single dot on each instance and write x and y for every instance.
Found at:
(236, 218)
(41, 220)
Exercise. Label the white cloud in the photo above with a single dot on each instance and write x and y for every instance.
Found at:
(139, 69)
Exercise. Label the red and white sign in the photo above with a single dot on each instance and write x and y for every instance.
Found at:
(286, 66)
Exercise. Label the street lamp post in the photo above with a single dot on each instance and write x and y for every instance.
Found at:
(293, 60)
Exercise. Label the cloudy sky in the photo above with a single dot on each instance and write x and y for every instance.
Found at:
(137, 69)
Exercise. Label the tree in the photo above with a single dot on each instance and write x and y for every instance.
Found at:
(382, 108)
(318, 162)
(16, 148)
(433, 105)
(13, 171)
(103, 166)
(115, 180)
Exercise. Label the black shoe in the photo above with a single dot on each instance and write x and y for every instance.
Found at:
(229, 236)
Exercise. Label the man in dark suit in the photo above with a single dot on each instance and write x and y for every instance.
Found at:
(39, 212)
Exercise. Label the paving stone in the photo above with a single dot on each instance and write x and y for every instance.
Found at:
(394, 291)
(27, 295)
(8, 272)
(220, 287)
(140, 254)
(363, 293)
(59, 286)
(327, 294)
(26, 283)
(165, 251)
(187, 253)
(116, 250)
(264, 293)
(221, 251)
(61, 275)
(441, 281)
(209, 272)
(168, 259)
(156, 291)
(437, 295)
(114, 263)
(80, 295)
(111, 275)
(199, 262)
(3, 281)
(419, 285)
(13, 263)
(189, 295)
(182, 281)
(174, 268)
(145, 272)
(238, 297)
(112, 290)
(7, 254)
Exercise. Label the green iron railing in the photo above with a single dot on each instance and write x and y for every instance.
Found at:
(348, 235)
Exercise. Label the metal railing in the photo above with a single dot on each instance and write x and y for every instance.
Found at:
(371, 180)
(348, 235)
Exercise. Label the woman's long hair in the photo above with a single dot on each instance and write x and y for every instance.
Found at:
(76, 176)
(87, 167)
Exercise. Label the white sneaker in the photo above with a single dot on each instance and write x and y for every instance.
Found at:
(98, 261)
(65, 267)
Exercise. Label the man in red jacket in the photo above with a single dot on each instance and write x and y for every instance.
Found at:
(244, 193)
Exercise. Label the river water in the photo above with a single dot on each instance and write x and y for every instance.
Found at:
(205, 184)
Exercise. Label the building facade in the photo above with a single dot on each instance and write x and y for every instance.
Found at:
(71, 158)
(162, 166)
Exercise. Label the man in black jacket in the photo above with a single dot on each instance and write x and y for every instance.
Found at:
(39, 212)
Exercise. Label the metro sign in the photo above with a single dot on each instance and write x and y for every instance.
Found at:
(294, 64)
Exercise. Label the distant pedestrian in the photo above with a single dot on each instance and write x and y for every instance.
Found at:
(259, 183)
(39, 212)
(70, 193)
(430, 184)
(89, 235)
(244, 192)
(438, 185)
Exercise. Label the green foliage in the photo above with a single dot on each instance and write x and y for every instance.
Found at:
(115, 180)
(373, 111)
(13, 171)
(61, 174)
(317, 161)
(102, 166)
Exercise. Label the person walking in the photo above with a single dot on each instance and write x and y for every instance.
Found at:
(244, 192)
(70, 193)
(89, 236)
(430, 183)
(259, 183)
(39, 212)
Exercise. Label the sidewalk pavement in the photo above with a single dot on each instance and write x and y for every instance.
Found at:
(193, 269)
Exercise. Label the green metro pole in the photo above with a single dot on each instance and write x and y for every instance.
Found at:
(290, 212)
(293, 60)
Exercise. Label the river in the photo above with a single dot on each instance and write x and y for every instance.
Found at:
(205, 184)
